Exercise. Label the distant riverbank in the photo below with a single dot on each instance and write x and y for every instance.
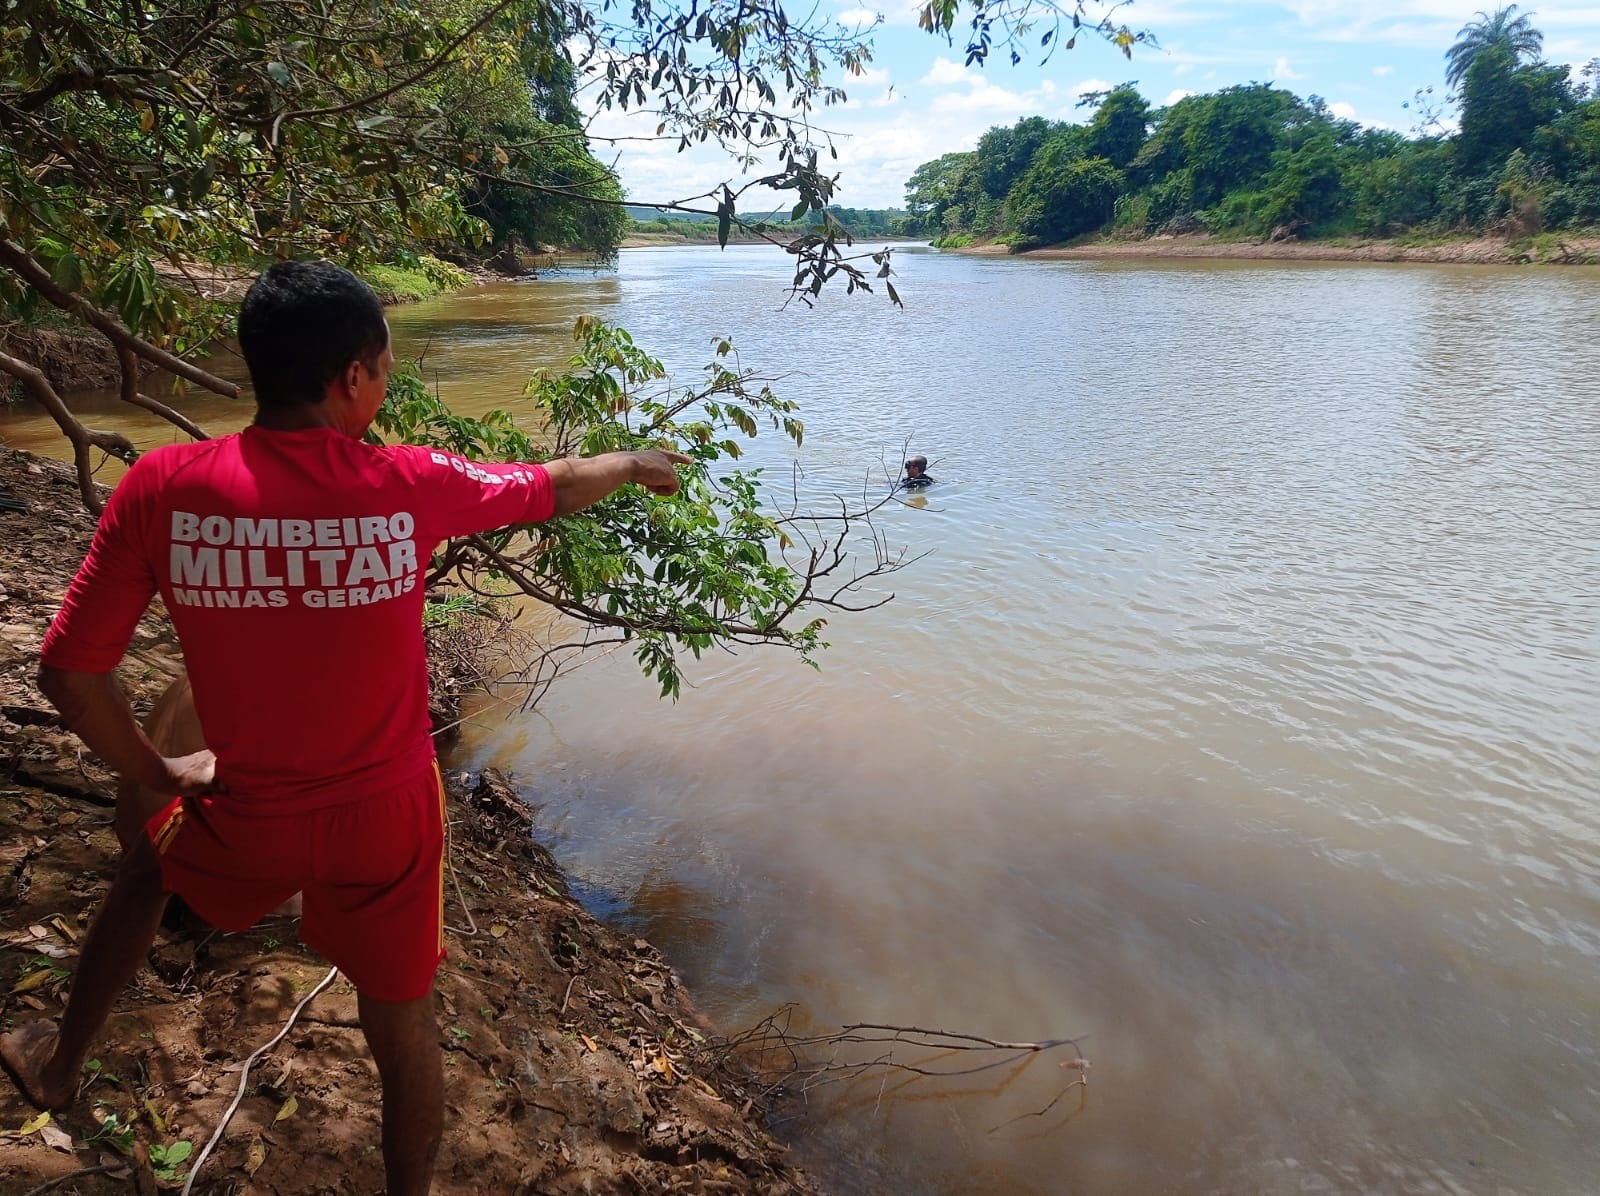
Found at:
(1548, 248)
(639, 240)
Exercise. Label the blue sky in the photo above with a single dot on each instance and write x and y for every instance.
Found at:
(1366, 58)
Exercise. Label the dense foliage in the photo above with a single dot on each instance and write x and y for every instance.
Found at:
(1256, 160)
(141, 134)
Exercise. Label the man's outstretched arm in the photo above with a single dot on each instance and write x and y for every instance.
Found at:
(583, 481)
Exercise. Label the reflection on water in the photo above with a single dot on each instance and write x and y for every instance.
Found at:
(1243, 719)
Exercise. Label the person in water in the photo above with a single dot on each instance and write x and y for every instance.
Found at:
(916, 474)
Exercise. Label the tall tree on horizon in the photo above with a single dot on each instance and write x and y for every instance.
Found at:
(1515, 33)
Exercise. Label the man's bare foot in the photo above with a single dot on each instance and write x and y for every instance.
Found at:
(27, 1052)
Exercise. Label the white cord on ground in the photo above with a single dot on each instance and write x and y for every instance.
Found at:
(244, 1079)
(450, 861)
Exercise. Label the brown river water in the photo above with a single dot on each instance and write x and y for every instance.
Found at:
(1242, 719)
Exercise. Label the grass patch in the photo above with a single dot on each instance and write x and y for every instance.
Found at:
(1432, 240)
(1546, 248)
(411, 281)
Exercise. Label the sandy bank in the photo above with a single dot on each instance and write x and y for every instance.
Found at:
(575, 1062)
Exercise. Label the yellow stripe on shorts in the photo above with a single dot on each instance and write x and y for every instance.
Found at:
(443, 844)
(168, 831)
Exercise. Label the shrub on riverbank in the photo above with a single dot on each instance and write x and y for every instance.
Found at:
(410, 280)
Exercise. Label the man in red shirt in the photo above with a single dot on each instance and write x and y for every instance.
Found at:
(291, 559)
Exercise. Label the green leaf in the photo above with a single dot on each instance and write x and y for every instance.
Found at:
(201, 182)
(68, 274)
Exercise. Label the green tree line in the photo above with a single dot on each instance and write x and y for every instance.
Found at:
(1256, 160)
(857, 222)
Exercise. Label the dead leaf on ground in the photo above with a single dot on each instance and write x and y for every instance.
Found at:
(56, 1139)
(589, 1042)
(499, 930)
(255, 1155)
(287, 1111)
(32, 1126)
(115, 1168)
(35, 980)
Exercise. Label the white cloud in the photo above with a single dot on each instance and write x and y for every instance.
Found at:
(945, 73)
(861, 88)
(1283, 70)
(1176, 94)
(983, 96)
(1156, 14)
(892, 12)
(851, 18)
(1383, 72)
(1347, 111)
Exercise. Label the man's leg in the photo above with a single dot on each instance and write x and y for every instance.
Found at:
(46, 1061)
(403, 1037)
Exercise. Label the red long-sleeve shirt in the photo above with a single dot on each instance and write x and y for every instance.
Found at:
(292, 564)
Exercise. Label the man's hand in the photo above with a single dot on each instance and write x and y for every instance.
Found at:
(583, 481)
(191, 776)
(658, 471)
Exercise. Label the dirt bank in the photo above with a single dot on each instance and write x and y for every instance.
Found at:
(1464, 251)
(574, 1060)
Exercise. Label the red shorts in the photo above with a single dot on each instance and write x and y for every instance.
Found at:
(371, 872)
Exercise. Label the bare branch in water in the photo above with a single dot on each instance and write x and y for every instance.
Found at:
(786, 1065)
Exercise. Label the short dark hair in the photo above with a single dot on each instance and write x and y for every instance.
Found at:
(917, 462)
(303, 322)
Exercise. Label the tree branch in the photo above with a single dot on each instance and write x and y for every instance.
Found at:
(21, 263)
(83, 438)
(129, 393)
